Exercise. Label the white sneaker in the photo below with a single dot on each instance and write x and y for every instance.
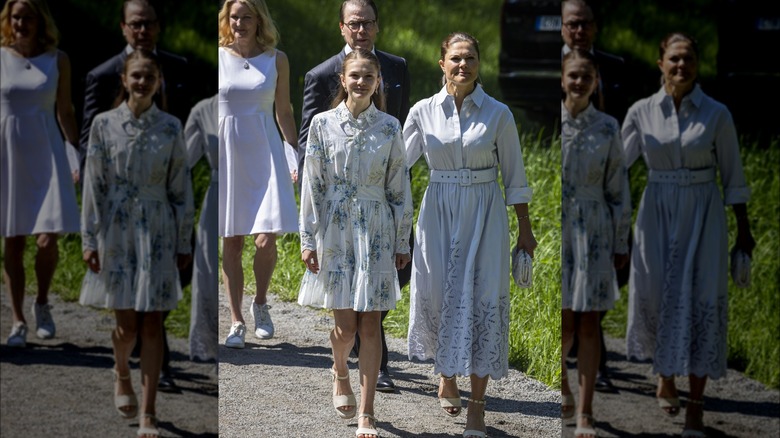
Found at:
(264, 327)
(44, 324)
(18, 336)
(235, 338)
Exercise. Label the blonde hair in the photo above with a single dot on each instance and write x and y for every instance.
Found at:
(48, 35)
(267, 35)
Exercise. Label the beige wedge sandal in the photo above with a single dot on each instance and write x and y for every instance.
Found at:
(448, 403)
(340, 401)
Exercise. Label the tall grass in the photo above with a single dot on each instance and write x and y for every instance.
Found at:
(754, 312)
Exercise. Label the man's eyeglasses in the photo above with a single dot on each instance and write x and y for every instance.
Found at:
(355, 26)
(138, 25)
(574, 25)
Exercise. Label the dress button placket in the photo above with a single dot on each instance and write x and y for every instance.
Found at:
(459, 135)
(355, 164)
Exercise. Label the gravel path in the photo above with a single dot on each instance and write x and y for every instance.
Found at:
(281, 387)
(734, 406)
(63, 386)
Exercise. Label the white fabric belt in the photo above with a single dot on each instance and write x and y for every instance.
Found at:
(464, 177)
(682, 177)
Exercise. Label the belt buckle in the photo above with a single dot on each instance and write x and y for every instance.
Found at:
(464, 177)
(684, 177)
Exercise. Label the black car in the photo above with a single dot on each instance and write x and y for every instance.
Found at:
(748, 76)
(530, 57)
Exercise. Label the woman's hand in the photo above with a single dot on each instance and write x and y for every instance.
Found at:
(526, 239)
(183, 260)
(401, 260)
(310, 258)
(745, 240)
(620, 260)
(92, 259)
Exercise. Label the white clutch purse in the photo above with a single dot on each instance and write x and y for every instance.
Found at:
(740, 268)
(522, 268)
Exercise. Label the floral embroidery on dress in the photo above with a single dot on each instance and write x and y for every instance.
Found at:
(355, 210)
(137, 209)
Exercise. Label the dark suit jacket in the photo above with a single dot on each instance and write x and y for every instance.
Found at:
(612, 72)
(103, 84)
(322, 82)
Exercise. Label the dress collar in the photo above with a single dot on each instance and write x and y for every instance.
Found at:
(583, 119)
(146, 117)
(363, 120)
(695, 97)
(477, 96)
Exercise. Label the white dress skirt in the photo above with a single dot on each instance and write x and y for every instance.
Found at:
(460, 274)
(200, 133)
(356, 210)
(256, 193)
(37, 193)
(678, 287)
(137, 210)
(596, 209)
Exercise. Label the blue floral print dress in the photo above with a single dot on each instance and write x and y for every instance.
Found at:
(596, 210)
(356, 210)
(137, 210)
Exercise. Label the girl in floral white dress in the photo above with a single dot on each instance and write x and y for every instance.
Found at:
(596, 215)
(356, 215)
(136, 226)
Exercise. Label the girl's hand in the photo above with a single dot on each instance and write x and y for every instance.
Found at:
(92, 259)
(620, 260)
(401, 260)
(310, 258)
(183, 260)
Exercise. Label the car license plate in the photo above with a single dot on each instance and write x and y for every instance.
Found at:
(768, 24)
(548, 23)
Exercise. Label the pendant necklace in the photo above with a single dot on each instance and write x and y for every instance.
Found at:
(246, 64)
(27, 63)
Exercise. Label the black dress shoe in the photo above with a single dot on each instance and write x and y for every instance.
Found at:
(166, 383)
(384, 383)
(603, 383)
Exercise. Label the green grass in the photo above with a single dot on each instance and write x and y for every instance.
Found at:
(754, 312)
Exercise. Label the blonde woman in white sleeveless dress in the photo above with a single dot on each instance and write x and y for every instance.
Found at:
(37, 194)
(256, 195)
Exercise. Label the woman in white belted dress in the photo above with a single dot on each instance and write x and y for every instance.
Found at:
(678, 292)
(460, 274)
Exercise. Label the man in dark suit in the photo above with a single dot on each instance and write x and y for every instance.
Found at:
(579, 32)
(141, 29)
(359, 24)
